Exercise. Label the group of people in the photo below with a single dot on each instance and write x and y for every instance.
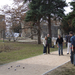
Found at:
(47, 44)
(70, 43)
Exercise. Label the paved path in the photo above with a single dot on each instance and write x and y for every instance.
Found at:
(36, 65)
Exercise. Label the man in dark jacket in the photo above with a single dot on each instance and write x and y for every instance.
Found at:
(72, 47)
(48, 43)
(59, 43)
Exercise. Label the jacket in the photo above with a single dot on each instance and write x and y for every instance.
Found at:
(48, 40)
(68, 39)
(73, 40)
(44, 42)
(59, 41)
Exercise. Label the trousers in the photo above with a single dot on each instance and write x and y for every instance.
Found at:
(72, 54)
(48, 46)
(68, 47)
(45, 49)
(60, 49)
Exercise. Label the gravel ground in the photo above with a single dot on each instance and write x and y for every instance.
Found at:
(37, 65)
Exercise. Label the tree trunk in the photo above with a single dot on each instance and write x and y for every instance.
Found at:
(49, 28)
(39, 32)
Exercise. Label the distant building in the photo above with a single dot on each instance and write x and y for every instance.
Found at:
(55, 28)
(30, 31)
(2, 26)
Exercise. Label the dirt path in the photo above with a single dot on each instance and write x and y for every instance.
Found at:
(37, 65)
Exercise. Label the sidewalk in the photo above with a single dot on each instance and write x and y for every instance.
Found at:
(36, 65)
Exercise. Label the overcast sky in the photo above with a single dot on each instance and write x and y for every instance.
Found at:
(4, 2)
(67, 9)
(9, 2)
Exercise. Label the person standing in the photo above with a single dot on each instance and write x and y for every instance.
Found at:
(73, 48)
(59, 43)
(48, 43)
(72, 45)
(45, 45)
(68, 44)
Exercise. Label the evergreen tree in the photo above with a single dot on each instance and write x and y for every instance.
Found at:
(35, 15)
(73, 5)
(50, 8)
(69, 20)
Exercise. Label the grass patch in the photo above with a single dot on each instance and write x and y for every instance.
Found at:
(17, 51)
(2, 40)
(66, 69)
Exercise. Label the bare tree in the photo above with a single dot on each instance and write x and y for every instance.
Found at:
(14, 14)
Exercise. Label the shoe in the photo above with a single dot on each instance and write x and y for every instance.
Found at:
(67, 53)
(44, 53)
(48, 53)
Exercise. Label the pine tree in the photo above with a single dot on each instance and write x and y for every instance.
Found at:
(73, 5)
(35, 15)
(69, 20)
(50, 8)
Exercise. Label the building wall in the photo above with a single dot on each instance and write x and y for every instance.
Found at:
(2, 26)
(55, 26)
(27, 31)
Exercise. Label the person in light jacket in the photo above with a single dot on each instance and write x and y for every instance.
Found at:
(68, 44)
(45, 45)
